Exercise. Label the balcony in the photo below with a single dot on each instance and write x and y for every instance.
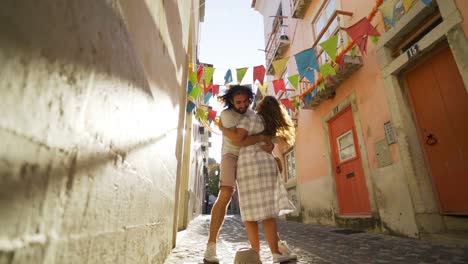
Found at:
(350, 63)
(276, 45)
(299, 8)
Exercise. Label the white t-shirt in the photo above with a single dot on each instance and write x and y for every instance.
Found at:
(231, 118)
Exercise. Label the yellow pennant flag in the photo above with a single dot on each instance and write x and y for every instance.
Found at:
(407, 4)
(387, 9)
(279, 66)
(263, 88)
(240, 74)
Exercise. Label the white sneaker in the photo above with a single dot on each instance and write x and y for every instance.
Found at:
(210, 253)
(285, 250)
(277, 258)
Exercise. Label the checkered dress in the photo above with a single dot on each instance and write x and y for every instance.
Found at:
(262, 194)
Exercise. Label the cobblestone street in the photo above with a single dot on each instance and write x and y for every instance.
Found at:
(314, 244)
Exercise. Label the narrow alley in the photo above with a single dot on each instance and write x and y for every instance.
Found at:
(314, 244)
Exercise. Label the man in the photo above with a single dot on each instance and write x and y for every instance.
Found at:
(237, 100)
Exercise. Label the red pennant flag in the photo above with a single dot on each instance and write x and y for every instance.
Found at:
(215, 89)
(259, 73)
(287, 104)
(360, 31)
(279, 85)
(211, 114)
(200, 72)
(208, 87)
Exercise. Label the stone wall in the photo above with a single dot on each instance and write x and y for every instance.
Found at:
(92, 106)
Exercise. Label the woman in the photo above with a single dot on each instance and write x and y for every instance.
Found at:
(262, 195)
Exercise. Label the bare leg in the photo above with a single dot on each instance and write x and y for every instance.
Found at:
(218, 212)
(271, 234)
(252, 233)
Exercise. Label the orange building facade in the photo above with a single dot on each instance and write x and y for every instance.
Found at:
(381, 145)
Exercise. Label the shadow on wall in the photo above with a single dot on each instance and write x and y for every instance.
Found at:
(90, 34)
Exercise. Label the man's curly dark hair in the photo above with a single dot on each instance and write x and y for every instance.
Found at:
(234, 90)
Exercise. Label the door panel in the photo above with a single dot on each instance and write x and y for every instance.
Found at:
(440, 107)
(351, 189)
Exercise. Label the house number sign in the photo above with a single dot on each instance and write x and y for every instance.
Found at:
(412, 51)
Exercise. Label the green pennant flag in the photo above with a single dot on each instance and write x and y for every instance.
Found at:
(240, 74)
(296, 104)
(193, 78)
(195, 92)
(353, 52)
(374, 39)
(330, 46)
(202, 114)
(209, 71)
(326, 70)
(321, 86)
(294, 80)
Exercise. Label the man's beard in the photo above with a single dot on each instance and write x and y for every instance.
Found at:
(240, 111)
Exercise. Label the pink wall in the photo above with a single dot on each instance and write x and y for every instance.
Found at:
(312, 155)
(463, 7)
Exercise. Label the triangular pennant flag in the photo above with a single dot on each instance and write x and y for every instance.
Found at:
(305, 60)
(326, 70)
(201, 113)
(240, 74)
(215, 89)
(388, 10)
(193, 78)
(407, 4)
(195, 92)
(189, 87)
(211, 114)
(228, 77)
(360, 31)
(329, 46)
(208, 88)
(374, 39)
(287, 103)
(190, 107)
(294, 80)
(307, 98)
(310, 75)
(207, 97)
(259, 73)
(321, 86)
(353, 52)
(200, 72)
(426, 2)
(279, 85)
(296, 104)
(263, 88)
(209, 71)
(279, 66)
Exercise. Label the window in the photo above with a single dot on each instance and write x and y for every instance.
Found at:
(290, 165)
(345, 145)
(319, 24)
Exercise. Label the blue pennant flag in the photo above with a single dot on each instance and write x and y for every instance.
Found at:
(305, 60)
(228, 77)
(310, 75)
(189, 87)
(426, 2)
(190, 107)
(207, 97)
(307, 98)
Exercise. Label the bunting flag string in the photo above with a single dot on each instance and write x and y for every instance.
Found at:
(306, 62)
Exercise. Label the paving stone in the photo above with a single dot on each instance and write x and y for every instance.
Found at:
(313, 244)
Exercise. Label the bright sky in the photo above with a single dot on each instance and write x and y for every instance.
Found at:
(230, 38)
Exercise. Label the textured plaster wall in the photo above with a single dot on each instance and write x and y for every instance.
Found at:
(88, 162)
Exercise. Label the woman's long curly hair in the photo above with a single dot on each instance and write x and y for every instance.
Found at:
(277, 121)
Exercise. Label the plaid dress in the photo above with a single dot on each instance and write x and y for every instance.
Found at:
(262, 194)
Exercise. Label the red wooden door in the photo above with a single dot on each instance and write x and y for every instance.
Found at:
(440, 107)
(351, 189)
